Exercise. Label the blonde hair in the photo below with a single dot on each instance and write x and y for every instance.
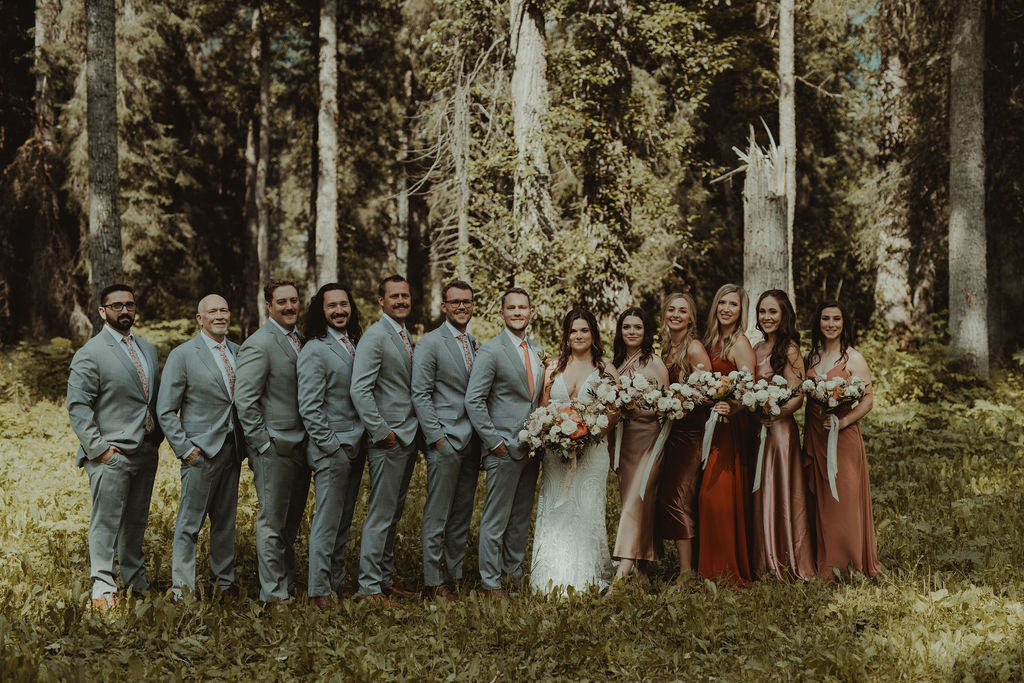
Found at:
(714, 336)
(680, 360)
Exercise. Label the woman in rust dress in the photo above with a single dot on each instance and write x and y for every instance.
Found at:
(844, 529)
(634, 355)
(781, 537)
(724, 497)
(680, 468)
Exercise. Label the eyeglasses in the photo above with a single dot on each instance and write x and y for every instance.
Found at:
(117, 306)
(460, 303)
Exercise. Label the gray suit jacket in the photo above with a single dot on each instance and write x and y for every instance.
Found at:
(194, 407)
(381, 379)
(266, 392)
(439, 380)
(325, 377)
(498, 396)
(106, 401)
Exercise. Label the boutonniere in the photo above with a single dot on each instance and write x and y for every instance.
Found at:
(475, 343)
(543, 355)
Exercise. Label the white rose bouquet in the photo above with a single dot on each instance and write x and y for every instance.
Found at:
(714, 387)
(765, 398)
(557, 427)
(832, 394)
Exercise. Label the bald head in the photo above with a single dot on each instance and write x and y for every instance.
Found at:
(214, 316)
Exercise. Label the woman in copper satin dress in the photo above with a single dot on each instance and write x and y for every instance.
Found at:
(844, 529)
(724, 497)
(680, 467)
(780, 540)
(634, 355)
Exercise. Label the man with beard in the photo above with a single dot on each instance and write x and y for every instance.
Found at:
(503, 390)
(196, 412)
(381, 378)
(336, 452)
(441, 368)
(265, 396)
(112, 390)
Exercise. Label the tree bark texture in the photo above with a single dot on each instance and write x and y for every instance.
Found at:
(766, 262)
(461, 135)
(787, 126)
(101, 124)
(327, 143)
(968, 289)
(263, 155)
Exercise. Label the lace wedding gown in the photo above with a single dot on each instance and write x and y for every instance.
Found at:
(570, 544)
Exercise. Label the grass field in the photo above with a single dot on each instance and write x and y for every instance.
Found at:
(946, 469)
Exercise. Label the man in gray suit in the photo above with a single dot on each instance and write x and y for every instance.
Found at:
(195, 410)
(337, 450)
(112, 390)
(503, 390)
(381, 379)
(441, 367)
(268, 408)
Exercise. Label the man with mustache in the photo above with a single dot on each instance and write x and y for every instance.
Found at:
(381, 378)
(337, 450)
(268, 409)
(441, 368)
(112, 389)
(196, 412)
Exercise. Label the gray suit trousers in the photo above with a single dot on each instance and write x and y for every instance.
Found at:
(209, 487)
(390, 472)
(282, 484)
(336, 480)
(451, 486)
(121, 491)
(505, 524)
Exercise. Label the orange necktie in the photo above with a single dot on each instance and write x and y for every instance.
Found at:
(529, 367)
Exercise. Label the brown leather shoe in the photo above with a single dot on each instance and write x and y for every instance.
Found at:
(107, 602)
(394, 591)
(443, 592)
(378, 600)
(494, 593)
(325, 602)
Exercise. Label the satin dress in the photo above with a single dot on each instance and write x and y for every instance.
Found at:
(844, 529)
(780, 540)
(680, 474)
(635, 536)
(724, 497)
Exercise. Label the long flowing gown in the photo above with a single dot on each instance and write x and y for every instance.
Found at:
(680, 474)
(844, 529)
(635, 536)
(781, 538)
(570, 542)
(724, 497)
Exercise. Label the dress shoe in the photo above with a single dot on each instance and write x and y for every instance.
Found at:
(442, 591)
(378, 600)
(325, 602)
(229, 594)
(494, 593)
(394, 591)
(107, 602)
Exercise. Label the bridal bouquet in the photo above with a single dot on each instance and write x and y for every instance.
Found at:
(636, 393)
(714, 387)
(833, 394)
(558, 427)
(765, 398)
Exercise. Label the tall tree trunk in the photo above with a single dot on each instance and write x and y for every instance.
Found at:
(44, 23)
(101, 125)
(251, 308)
(968, 289)
(327, 131)
(263, 152)
(532, 211)
(461, 134)
(787, 127)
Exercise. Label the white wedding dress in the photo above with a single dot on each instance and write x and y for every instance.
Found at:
(570, 544)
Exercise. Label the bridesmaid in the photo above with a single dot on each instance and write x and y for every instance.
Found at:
(680, 469)
(781, 537)
(724, 495)
(634, 355)
(844, 528)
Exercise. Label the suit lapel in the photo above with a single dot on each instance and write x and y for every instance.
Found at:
(283, 341)
(513, 352)
(455, 347)
(126, 362)
(397, 339)
(207, 360)
(339, 349)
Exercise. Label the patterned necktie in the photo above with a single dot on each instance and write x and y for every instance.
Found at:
(529, 366)
(294, 336)
(466, 352)
(142, 378)
(348, 345)
(405, 340)
(228, 369)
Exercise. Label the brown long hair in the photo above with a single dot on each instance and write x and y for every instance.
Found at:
(681, 360)
(596, 349)
(786, 334)
(713, 336)
(846, 335)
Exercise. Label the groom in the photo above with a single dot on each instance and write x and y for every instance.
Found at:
(503, 390)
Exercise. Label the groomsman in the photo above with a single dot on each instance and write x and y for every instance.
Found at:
(503, 390)
(337, 451)
(112, 390)
(265, 396)
(441, 368)
(381, 380)
(195, 410)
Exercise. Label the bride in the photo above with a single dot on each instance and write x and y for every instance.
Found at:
(570, 544)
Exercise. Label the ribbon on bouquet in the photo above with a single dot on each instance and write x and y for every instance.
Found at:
(563, 493)
(760, 459)
(656, 451)
(618, 445)
(831, 453)
(709, 433)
